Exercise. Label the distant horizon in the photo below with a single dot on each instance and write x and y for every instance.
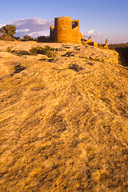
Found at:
(101, 19)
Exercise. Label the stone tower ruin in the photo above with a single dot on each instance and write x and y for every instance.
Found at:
(65, 30)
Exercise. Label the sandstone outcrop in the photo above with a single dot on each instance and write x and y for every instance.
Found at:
(89, 40)
(94, 44)
(63, 123)
(106, 44)
(82, 37)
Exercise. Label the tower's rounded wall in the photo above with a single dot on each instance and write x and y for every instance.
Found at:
(63, 29)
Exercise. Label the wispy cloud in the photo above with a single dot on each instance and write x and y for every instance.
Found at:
(91, 33)
(1, 25)
(39, 33)
(32, 26)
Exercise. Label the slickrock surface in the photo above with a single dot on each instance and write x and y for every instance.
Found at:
(63, 120)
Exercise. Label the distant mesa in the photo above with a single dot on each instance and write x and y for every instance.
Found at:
(66, 30)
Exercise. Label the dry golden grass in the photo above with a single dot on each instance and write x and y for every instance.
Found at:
(63, 121)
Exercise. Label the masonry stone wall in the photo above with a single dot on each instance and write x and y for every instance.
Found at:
(76, 35)
(65, 30)
(52, 32)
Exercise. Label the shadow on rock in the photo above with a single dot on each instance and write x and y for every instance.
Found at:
(18, 68)
(123, 53)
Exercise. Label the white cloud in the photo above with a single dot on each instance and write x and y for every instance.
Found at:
(38, 33)
(1, 25)
(32, 26)
(91, 33)
(23, 30)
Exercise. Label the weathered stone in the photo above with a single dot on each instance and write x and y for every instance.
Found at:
(106, 44)
(82, 37)
(89, 40)
(94, 44)
(52, 29)
(65, 30)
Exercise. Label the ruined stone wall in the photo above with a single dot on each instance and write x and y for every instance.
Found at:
(76, 35)
(63, 30)
(66, 30)
(52, 33)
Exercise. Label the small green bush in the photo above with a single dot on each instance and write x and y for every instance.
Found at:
(8, 32)
(118, 46)
(27, 38)
(7, 38)
(48, 51)
(9, 49)
(20, 52)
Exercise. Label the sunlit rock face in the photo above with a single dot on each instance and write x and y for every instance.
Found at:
(63, 119)
(66, 30)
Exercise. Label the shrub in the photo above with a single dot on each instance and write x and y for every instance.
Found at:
(48, 51)
(7, 32)
(17, 38)
(9, 49)
(27, 38)
(6, 38)
(118, 46)
(17, 52)
(20, 52)
(43, 39)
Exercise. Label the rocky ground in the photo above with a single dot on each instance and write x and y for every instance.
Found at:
(63, 120)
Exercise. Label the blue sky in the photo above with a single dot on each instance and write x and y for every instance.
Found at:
(99, 18)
